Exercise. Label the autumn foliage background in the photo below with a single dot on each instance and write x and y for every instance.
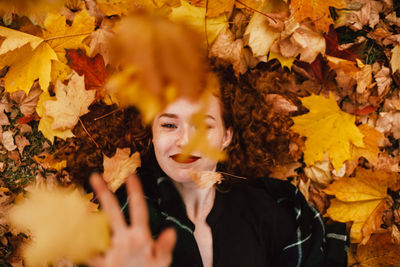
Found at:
(327, 71)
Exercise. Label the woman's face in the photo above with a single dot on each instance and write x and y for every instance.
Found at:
(172, 129)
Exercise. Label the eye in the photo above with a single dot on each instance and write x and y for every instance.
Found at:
(168, 125)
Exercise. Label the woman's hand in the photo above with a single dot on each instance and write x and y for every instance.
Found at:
(131, 245)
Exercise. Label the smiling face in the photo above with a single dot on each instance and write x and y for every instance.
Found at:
(171, 130)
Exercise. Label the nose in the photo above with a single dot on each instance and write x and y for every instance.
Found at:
(183, 138)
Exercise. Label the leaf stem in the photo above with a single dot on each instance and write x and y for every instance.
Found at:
(87, 132)
(67, 36)
(255, 10)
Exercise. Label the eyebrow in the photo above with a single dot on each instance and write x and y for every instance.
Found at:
(174, 116)
(168, 115)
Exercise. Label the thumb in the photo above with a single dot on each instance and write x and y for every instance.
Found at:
(165, 245)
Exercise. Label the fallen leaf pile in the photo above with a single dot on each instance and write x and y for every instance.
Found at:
(312, 87)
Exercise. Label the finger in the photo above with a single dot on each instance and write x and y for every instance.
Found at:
(165, 245)
(108, 202)
(98, 261)
(137, 204)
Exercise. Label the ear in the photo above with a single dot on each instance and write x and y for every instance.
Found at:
(227, 138)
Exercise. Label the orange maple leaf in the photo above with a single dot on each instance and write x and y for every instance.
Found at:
(317, 11)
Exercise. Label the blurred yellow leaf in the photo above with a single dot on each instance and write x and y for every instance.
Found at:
(72, 102)
(328, 129)
(198, 140)
(317, 11)
(125, 89)
(195, 17)
(124, 7)
(62, 225)
(118, 167)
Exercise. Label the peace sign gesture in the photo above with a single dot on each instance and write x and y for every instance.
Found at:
(131, 245)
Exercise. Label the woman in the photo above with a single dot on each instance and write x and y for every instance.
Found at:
(260, 222)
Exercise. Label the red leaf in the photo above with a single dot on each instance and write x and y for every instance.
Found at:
(332, 47)
(25, 119)
(366, 110)
(94, 70)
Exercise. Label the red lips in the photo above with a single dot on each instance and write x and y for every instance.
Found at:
(181, 158)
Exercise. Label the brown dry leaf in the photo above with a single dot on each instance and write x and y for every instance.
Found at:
(304, 40)
(317, 11)
(379, 251)
(320, 172)
(3, 118)
(227, 49)
(364, 78)
(118, 167)
(8, 140)
(100, 40)
(206, 179)
(383, 80)
(389, 122)
(362, 13)
(27, 104)
(395, 60)
(284, 171)
(395, 235)
(388, 163)
(72, 102)
(280, 104)
(21, 142)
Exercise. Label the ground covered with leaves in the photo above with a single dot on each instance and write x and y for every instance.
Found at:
(315, 93)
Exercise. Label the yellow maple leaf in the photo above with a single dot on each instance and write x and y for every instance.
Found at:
(260, 35)
(28, 57)
(46, 121)
(118, 167)
(358, 197)
(72, 102)
(328, 129)
(285, 61)
(60, 36)
(62, 225)
(317, 11)
(125, 88)
(195, 17)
